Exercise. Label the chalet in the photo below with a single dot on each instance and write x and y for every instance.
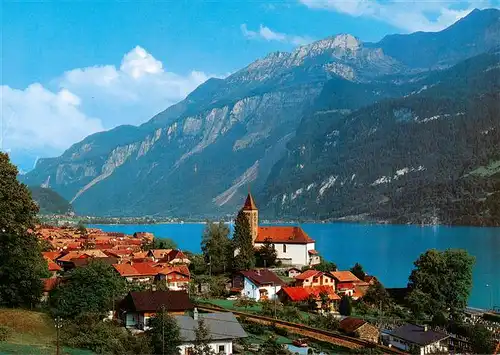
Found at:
(418, 339)
(138, 307)
(292, 244)
(223, 329)
(171, 256)
(137, 272)
(314, 278)
(345, 282)
(298, 294)
(360, 329)
(292, 272)
(259, 284)
(176, 277)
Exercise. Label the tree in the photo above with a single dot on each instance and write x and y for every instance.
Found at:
(441, 282)
(243, 243)
(345, 306)
(161, 243)
(216, 247)
(266, 255)
(202, 339)
(45, 245)
(81, 228)
(376, 295)
(93, 288)
(358, 271)
(325, 266)
(198, 266)
(272, 347)
(88, 331)
(481, 339)
(164, 333)
(17, 208)
(21, 263)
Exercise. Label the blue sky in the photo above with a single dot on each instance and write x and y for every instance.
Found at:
(73, 68)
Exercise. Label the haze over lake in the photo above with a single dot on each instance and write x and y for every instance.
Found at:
(386, 251)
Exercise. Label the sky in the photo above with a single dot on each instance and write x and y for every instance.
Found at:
(70, 69)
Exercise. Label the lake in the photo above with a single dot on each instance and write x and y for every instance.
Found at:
(386, 251)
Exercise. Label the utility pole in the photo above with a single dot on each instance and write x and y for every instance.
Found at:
(58, 325)
(163, 330)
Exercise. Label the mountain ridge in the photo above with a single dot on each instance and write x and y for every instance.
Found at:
(226, 133)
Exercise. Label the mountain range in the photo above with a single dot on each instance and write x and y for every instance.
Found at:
(335, 129)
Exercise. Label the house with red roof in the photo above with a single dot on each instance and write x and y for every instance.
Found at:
(258, 284)
(292, 244)
(314, 278)
(137, 272)
(298, 294)
(176, 277)
(345, 282)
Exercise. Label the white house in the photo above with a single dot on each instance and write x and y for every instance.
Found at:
(417, 338)
(223, 328)
(293, 245)
(259, 284)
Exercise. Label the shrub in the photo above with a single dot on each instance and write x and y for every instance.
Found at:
(5, 333)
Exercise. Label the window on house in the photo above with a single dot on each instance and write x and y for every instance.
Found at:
(222, 348)
(315, 279)
(284, 248)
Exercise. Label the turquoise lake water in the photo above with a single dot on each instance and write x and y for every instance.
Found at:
(386, 251)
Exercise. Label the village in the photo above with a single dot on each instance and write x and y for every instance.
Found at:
(296, 287)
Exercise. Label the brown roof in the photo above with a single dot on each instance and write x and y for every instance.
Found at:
(307, 274)
(152, 301)
(263, 277)
(136, 269)
(249, 203)
(50, 283)
(84, 262)
(350, 324)
(159, 253)
(283, 234)
(344, 276)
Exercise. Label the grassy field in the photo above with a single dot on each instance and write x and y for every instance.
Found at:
(33, 333)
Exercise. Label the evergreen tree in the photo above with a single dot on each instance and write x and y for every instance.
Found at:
(243, 244)
(216, 247)
(17, 209)
(266, 255)
(202, 339)
(21, 262)
(164, 333)
(358, 271)
(345, 306)
(93, 288)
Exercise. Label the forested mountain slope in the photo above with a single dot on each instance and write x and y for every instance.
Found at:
(198, 157)
(417, 158)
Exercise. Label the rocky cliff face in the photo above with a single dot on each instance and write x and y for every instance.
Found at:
(198, 156)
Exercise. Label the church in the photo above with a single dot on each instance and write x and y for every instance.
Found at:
(293, 245)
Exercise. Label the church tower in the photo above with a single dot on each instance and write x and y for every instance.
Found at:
(252, 213)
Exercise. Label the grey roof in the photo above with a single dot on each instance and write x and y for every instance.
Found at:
(222, 325)
(418, 335)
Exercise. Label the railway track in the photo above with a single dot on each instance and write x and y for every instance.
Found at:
(306, 331)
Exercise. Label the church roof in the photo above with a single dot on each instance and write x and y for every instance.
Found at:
(249, 203)
(283, 234)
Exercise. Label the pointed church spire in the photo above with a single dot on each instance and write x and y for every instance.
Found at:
(249, 203)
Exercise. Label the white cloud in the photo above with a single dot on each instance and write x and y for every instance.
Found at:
(46, 120)
(265, 33)
(407, 15)
(38, 119)
(132, 93)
